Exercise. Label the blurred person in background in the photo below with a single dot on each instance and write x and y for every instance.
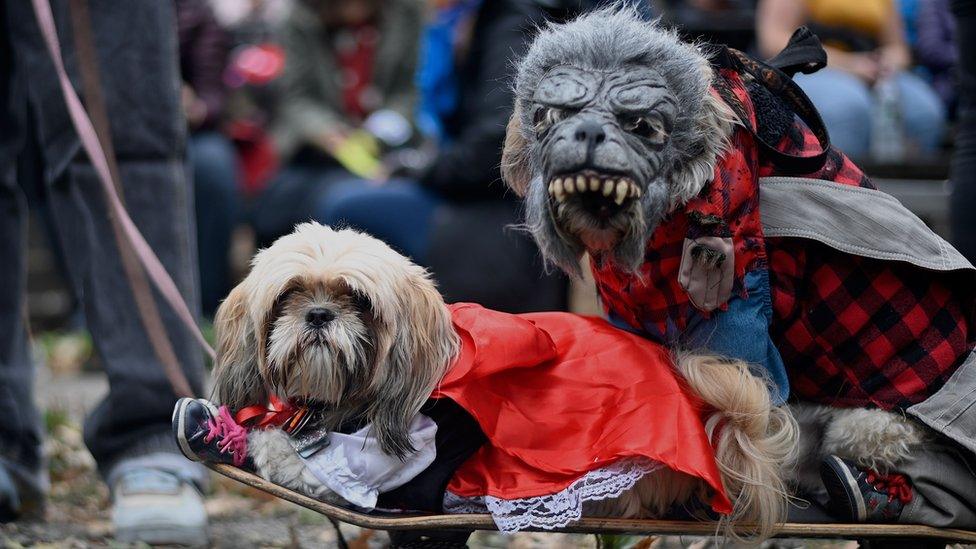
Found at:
(935, 48)
(454, 215)
(866, 84)
(472, 44)
(155, 491)
(203, 58)
(349, 74)
(963, 170)
(729, 22)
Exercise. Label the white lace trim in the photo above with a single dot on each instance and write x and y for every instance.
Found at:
(560, 509)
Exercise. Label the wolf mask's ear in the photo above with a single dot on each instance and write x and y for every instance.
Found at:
(516, 170)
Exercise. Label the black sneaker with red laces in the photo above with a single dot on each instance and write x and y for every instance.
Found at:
(210, 434)
(862, 495)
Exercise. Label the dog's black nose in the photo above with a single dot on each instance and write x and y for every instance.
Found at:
(319, 317)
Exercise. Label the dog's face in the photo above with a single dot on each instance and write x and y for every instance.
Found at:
(337, 318)
(613, 127)
(321, 343)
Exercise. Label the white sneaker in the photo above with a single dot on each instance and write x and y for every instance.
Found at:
(156, 507)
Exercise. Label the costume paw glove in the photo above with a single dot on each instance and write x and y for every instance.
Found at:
(707, 271)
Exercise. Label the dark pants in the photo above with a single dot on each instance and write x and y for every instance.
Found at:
(136, 46)
(963, 175)
(471, 248)
(291, 198)
(218, 206)
(400, 213)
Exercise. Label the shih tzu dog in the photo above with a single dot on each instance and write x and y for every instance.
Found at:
(338, 321)
(335, 318)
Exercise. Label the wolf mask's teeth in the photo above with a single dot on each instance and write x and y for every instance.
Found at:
(617, 189)
(556, 189)
(622, 188)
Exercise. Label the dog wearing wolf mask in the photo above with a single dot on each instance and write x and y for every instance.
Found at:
(717, 218)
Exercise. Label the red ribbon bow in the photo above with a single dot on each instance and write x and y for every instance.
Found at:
(276, 413)
(273, 414)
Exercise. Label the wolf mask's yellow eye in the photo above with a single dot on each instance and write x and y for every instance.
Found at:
(546, 117)
(648, 128)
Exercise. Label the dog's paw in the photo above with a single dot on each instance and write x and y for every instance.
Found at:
(274, 457)
(276, 460)
(872, 438)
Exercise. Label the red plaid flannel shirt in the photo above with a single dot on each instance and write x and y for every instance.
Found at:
(852, 331)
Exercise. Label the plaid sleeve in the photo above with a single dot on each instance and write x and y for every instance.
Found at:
(729, 206)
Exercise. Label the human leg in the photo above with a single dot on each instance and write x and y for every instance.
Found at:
(131, 425)
(20, 432)
(923, 114)
(148, 141)
(21, 466)
(398, 213)
(217, 203)
(291, 198)
(845, 105)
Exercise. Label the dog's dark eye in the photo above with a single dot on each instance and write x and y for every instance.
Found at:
(361, 302)
(546, 117)
(648, 128)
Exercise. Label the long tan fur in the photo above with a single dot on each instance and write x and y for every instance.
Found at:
(754, 441)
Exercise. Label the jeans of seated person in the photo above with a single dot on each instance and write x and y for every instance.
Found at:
(292, 197)
(218, 204)
(846, 103)
(400, 212)
(39, 148)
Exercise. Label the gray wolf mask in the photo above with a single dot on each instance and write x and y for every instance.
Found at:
(613, 127)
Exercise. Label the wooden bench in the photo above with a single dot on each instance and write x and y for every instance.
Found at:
(405, 522)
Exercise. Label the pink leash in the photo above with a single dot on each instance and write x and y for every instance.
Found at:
(86, 131)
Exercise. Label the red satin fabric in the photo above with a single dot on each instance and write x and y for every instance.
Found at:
(559, 395)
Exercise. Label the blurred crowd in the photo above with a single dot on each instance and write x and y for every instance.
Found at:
(383, 115)
(388, 116)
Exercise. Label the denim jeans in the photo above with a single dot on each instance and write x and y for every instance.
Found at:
(218, 207)
(39, 149)
(399, 213)
(740, 332)
(291, 198)
(846, 103)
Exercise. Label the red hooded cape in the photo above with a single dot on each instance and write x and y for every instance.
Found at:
(559, 395)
